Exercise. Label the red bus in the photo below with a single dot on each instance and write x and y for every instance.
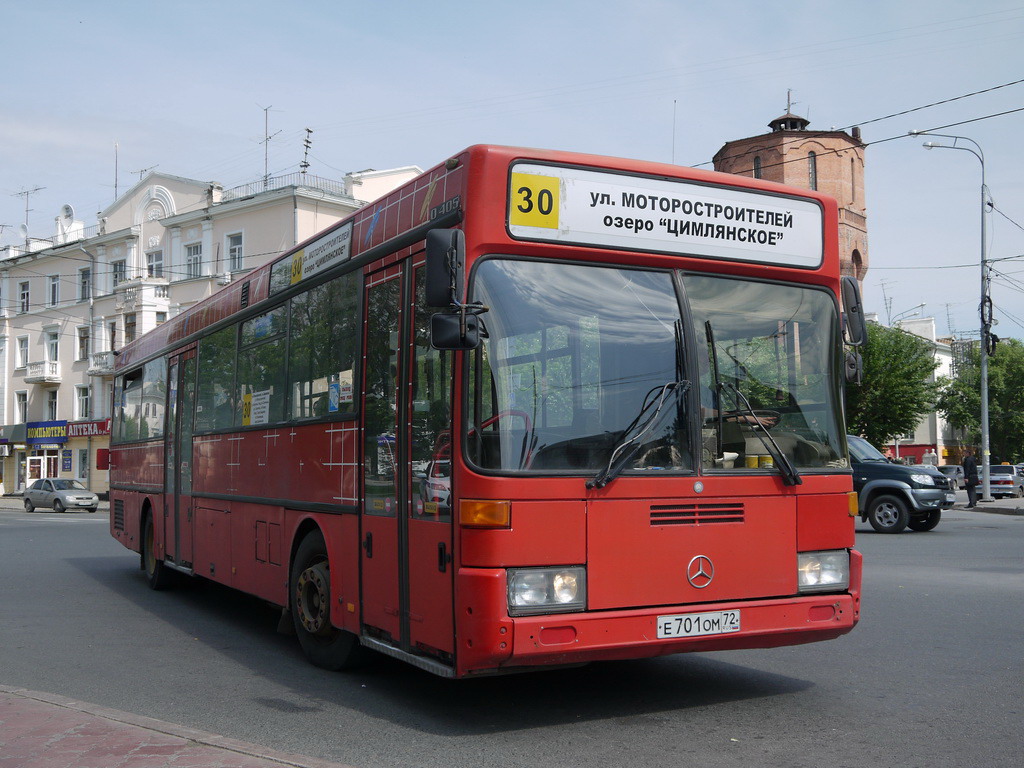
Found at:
(531, 409)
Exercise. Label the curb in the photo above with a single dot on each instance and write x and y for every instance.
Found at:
(172, 729)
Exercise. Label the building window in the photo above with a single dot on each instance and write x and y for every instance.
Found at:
(52, 346)
(22, 360)
(235, 257)
(812, 169)
(23, 300)
(155, 264)
(83, 463)
(161, 318)
(84, 284)
(21, 406)
(129, 327)
(193, 259)
(83, 342)
(112, 334)
(54, 290)
(51, 405)
(82, 410)
(757, 167)
(119, 269)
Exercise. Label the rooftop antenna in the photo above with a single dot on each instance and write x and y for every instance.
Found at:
(267, 136)
(115, 170)
(308, 143)
(143, 171)
(26, 193)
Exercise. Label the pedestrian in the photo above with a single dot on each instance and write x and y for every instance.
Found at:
(971, 477)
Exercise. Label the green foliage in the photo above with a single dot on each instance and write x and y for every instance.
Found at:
(896, 391)
(960, 400)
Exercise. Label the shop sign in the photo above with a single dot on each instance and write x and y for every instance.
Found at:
(89, 428)
(65, 460)
(46, 432)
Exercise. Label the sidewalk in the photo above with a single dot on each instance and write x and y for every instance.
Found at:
(41, 730)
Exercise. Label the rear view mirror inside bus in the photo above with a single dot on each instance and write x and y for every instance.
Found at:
(447, 331)
(446, 255)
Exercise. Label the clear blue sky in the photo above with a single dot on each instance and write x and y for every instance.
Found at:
(182, 87)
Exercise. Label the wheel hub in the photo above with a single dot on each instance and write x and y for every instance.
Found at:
(887, 515)
(312, 598)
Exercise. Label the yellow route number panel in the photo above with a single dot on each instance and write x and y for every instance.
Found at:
(534, 201)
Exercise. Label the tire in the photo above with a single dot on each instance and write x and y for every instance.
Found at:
(58, 506)
(310, 602)
(158, 576)
(888, 514)
(925, 523)
(29, 506)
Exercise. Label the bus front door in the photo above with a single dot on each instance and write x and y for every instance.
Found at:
(406, 527)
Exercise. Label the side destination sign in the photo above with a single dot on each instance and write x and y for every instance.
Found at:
(322, 254)
(571, 205)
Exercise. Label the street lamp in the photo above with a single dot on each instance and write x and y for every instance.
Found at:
(985, 308)
(905, 313)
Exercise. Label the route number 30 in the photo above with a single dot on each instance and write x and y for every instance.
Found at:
(534, 201)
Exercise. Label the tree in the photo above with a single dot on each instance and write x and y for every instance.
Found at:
(897, 388)
(960, 400)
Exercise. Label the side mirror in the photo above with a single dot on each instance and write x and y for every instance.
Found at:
(446, 257)
(855, 330)
(454, 331)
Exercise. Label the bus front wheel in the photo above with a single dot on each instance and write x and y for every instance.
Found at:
(324, 645)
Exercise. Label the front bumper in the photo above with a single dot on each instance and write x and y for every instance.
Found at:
(927, 499)
(507, 644)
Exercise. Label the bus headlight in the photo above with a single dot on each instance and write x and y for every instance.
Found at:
(546, 590)
(827, 571)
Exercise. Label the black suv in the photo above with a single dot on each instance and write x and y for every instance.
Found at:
(894, 496)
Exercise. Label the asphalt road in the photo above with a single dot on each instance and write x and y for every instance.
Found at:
(932, 676)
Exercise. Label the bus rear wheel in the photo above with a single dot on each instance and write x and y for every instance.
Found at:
(158, 576)
(324, 645)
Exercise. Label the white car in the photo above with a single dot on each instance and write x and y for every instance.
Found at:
(60, 493)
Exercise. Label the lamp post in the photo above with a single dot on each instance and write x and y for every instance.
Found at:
(906, 313)
(985, 307)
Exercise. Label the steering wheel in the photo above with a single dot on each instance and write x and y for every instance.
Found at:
(761, 414)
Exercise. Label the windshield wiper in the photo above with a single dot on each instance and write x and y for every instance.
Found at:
(626, 449)
(790, 476)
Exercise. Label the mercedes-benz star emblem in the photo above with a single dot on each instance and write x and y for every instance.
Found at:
(700, 571)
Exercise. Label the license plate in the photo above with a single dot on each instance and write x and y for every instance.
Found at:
(697, 624)
(950, 497)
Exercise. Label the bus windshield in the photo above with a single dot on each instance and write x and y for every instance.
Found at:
(581, 366)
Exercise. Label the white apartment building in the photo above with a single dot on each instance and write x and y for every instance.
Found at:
(70, 301)
(934, 440)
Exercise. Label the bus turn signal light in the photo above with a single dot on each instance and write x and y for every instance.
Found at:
(485, 513)
(853, 503)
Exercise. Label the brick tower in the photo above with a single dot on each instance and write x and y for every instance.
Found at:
(828, 161)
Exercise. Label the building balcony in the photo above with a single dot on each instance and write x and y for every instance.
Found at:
(101, 364)
(46, 372)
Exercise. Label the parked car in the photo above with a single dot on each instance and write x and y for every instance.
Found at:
(1006, 480)
(895, 496)
(955, 472)
(61, 494)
